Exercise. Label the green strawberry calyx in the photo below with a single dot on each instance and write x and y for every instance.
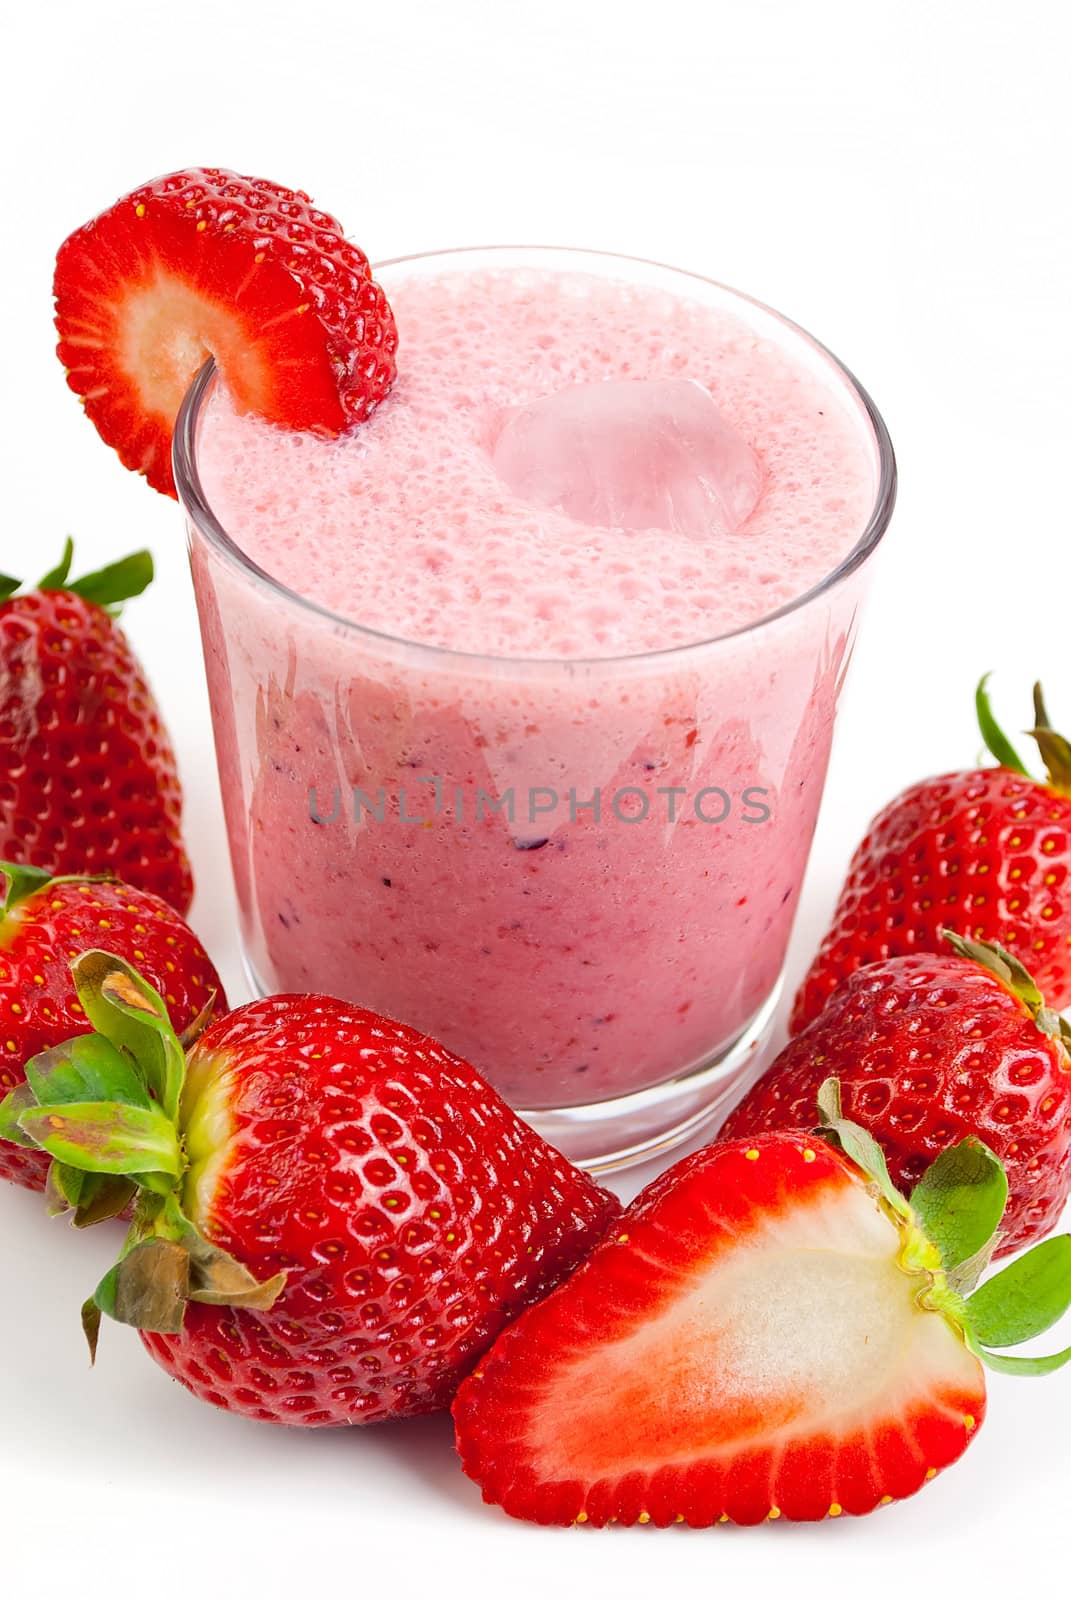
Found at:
(20, 882)
(1054, 747)
(950, 1227)
(106, 1107)
(107, 588)
(1015, 978)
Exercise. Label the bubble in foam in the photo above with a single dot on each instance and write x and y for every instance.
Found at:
(631, 453)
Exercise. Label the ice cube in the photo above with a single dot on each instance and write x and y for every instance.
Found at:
(631, 453)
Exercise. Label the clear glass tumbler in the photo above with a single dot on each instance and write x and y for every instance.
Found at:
(580, 875)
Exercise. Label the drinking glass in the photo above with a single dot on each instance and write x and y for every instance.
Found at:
(579, 874)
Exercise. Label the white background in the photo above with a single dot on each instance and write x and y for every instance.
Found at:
(895, 177)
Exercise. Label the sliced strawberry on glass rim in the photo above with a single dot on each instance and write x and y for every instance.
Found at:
(205, 262)
(771, 1331)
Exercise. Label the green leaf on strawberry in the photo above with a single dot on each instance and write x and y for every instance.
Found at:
(960, 1201)
(1015, 977)
(104, 1106)
(57, 577)
(996, 740)
(1055, 749)
(12, 1107)
(87, 1067)
(119, 581)
(108, 587)
(1016, 1366)
(19, 883)
(856, 1144)
(955, 1209)
(953, 1218)
(126, 1010)
(107, 1137)
(1027, 1298)
(147, 1288)
(88, 1197)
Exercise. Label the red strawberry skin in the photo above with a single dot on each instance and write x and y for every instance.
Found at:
(207, 262)
(88, 782)
(928, 1050)
(414, 1213)
(986, 853)
(626, 1396)
(38, 1003)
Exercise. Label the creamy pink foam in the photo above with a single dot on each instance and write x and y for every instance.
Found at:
(405, 525)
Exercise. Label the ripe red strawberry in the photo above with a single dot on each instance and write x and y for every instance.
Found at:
(44, 922)
(929, 1049)
(770, 1331)
(985, 852)
(338, 1216)
(88, 782)
(205, 262)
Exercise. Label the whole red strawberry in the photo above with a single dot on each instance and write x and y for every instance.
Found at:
(337, 1217)
(205, 262)
(770, 1331)
(88, 782)
(43, 923)
(985, 852)
(930, 1049)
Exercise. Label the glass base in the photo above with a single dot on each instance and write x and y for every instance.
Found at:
(613, 1134)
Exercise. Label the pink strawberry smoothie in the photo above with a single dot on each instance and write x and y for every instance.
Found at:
(539, 575)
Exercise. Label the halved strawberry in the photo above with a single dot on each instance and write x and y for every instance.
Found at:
(206, 262)
(770, 1332)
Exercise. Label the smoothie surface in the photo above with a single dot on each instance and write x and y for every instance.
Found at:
(408, 526)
